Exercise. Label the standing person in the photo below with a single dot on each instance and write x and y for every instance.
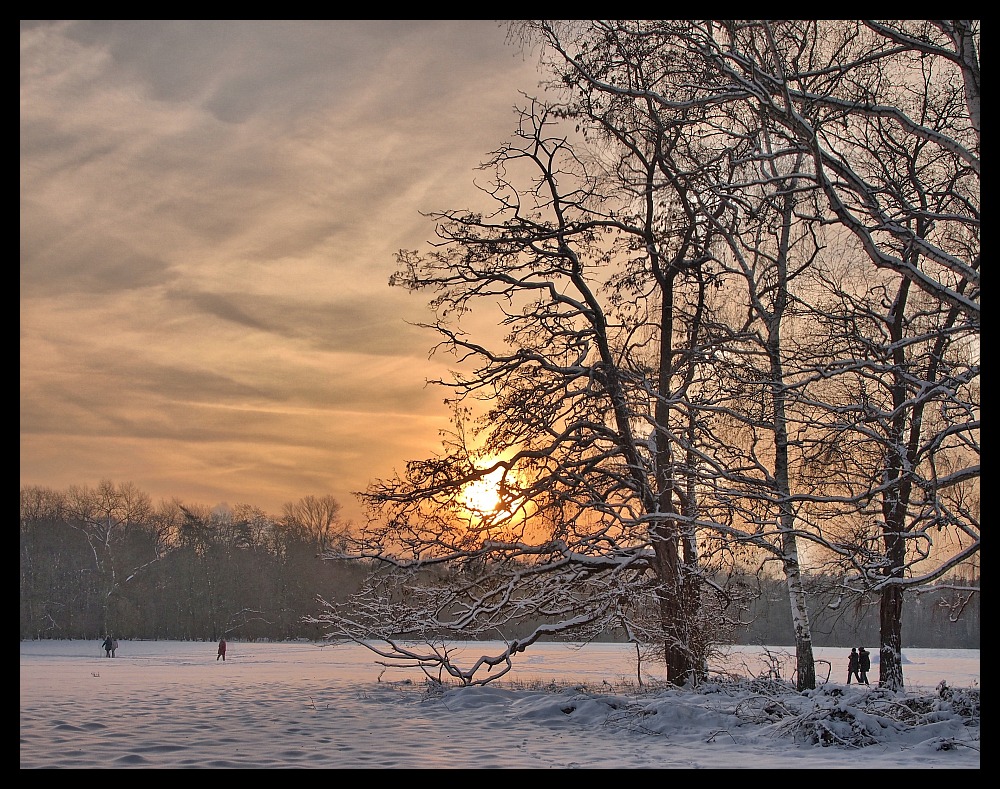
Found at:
(864, 664)
(852, 666)
(222, 649)
(114, 647)
(107, 646)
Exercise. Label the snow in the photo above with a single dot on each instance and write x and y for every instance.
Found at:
(171, 704)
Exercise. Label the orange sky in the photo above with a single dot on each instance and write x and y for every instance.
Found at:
(209, 217)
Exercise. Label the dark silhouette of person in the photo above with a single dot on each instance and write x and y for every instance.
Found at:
(107, 645)
(852, 666)
(222, 650)
(864, 665)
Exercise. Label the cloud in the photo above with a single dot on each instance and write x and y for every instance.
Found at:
(350, 323)
(210, 212)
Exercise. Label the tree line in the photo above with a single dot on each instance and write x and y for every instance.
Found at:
(105, 560)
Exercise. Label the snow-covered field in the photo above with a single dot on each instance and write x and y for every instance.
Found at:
(171, 704)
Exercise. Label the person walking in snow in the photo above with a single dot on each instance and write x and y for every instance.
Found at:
(852, 666)
(106, 646)
(222, 650)
(864, 665)
(114, 647)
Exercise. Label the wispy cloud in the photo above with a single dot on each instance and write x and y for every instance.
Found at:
(209, 216)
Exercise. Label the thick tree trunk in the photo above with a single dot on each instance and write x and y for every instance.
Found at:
(890, 667)
(674, 614)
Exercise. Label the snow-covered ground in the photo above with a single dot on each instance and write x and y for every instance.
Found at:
(171, 704)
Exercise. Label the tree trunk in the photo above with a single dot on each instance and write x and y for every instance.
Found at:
(890, 667)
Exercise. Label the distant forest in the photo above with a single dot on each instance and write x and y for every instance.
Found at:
(106, 561)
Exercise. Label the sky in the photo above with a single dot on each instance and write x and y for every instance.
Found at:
(210, 213)
(173, 704)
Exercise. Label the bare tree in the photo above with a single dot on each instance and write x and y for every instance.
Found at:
(591, 524)
(896, 153)
(753, 378)
(898, 445)
(704, 143)
(42, 562)
(318, 519)
(748, 189)
(106, 516)
(887, 116)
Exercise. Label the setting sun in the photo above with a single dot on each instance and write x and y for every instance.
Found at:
(483, 496)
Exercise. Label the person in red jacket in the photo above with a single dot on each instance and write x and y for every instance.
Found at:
(222, 650)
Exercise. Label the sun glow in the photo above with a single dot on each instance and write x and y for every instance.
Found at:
(483, 496)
